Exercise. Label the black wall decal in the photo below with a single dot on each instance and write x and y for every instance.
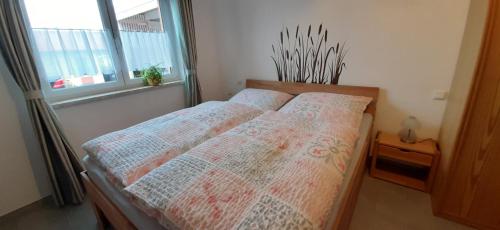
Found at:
(308, 59)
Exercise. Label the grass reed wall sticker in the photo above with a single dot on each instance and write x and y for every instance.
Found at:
(308, 59)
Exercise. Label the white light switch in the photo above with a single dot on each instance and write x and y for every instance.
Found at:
(439, 95)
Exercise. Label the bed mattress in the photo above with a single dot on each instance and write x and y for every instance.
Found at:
(143, 221)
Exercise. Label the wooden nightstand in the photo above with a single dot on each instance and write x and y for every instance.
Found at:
(411, 165)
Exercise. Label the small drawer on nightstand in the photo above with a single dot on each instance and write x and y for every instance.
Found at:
(404, 155)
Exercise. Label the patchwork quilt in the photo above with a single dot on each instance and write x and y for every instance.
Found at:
(277, 171)
(128, 154)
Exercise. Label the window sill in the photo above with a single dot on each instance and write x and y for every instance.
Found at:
(104, 96)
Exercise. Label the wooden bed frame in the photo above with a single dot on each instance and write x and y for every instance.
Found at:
(108, 214)
(298, 88)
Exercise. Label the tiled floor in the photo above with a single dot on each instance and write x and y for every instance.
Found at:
(45, 216)
(381, 205)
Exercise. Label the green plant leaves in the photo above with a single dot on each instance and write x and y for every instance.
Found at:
(152, 73)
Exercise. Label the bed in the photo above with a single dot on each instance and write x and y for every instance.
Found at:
(112, 207)
(127, 155)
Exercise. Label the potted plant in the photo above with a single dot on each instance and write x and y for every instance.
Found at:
(152, 75)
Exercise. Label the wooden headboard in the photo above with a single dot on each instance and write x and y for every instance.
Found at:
(298, 88)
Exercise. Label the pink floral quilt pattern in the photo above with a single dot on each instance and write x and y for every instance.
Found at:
(128, 154)
(277, 171)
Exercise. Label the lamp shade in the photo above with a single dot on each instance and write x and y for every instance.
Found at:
(410, 122)
(407, 133)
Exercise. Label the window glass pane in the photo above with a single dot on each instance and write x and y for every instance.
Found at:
(145, 43)
(74, 48)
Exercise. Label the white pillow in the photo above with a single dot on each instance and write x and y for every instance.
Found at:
(261, 98)
(329, 107)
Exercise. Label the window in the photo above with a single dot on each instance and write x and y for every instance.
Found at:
(85, 47)
(143, 37)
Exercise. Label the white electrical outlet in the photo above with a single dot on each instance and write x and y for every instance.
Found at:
(439, 95)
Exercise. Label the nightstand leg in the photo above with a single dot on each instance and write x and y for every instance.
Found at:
(432, 173)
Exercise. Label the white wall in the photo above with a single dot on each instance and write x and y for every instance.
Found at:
(464, 74)
(460, 87)
(23, 177)
(407, 48)
(209, 75)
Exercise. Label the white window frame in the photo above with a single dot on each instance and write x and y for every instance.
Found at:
(123, 80)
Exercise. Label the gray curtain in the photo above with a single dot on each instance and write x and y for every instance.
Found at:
(190, 58)
(62, 163)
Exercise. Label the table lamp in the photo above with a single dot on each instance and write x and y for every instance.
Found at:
(407, 133)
